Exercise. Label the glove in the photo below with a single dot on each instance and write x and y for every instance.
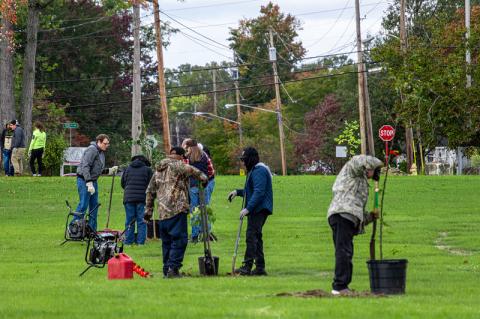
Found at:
(376, 174)
(232, 196)
(244, 212)
(374, 215)
(148, 214)
(112, 170)
(90, 188)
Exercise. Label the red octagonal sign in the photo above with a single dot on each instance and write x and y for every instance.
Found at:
(386, 133)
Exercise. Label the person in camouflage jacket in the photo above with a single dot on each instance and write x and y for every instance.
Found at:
(347, 216)
(169, 185)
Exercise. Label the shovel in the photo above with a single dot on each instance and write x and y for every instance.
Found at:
(208, 264)
(237, 241)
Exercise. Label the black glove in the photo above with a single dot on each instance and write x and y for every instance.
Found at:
(148, 215)
(232, 195)
(376, 174)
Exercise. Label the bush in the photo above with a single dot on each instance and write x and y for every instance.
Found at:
(53, 156)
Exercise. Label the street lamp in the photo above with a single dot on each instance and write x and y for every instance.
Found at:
(250, 106)
(280, 128)
(211, 115)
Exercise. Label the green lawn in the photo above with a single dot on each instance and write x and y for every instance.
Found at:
(434, 222)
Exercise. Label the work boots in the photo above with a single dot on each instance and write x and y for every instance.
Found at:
(173, 273)
(245, 270)
(258, 272)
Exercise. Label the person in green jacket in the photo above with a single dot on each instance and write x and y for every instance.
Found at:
(37, 147)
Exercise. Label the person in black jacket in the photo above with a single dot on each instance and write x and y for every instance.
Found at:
(135, 181)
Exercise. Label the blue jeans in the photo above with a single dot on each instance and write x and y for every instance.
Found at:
(195, 202)
(174, 235)
(87, 201)
(135, 211)
(209, 191)
(7, 165)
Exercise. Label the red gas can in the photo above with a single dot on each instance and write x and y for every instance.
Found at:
(120, 267)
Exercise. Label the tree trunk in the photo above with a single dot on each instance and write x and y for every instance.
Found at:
(28, 79)
(7, 100)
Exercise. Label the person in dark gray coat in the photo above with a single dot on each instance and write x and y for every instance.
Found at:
(135, 181)
(91, 167)
(18, 147)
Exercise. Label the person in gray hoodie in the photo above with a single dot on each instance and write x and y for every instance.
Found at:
(347, 216)
(18, 147)
(91, 167)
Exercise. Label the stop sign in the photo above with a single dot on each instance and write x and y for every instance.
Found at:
(386, 133)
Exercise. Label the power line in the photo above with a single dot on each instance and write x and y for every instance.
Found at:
(223, 90)
(212, 5)
(333, 25)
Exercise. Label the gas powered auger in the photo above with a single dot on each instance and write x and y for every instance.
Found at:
(77, 229)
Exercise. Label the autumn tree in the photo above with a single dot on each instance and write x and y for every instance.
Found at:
(251, 43)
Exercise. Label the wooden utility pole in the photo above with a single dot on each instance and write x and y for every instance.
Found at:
(361, 84)
(136, 98)
(239, 112)
(214, 78)
(408, 125)
(273, 59)
(161, 79)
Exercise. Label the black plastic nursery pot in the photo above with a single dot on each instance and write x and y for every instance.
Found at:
(150, 232)
(387, 276)
(207, 268)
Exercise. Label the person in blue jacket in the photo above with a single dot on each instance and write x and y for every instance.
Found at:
(258, 205)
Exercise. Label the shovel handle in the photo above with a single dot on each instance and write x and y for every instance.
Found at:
(237, 241)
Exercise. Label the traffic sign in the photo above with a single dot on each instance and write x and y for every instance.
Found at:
(70, 125)
(386, 133)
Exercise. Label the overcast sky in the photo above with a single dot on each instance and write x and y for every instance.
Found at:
(328, 26)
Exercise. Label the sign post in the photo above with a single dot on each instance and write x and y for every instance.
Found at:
(70, 125)
(386, 134)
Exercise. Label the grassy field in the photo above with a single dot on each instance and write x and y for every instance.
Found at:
(433, 222)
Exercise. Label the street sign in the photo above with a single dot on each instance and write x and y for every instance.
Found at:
(70, 125)
(386, 133)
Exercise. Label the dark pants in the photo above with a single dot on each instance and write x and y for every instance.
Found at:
(36, 156)
(254, 251)
(343, 231)
(174, 235)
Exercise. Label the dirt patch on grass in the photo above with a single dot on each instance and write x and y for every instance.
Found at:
(319, 293)
(440, 244)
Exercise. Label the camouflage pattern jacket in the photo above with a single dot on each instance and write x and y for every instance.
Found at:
(350, 190)
(169, 185)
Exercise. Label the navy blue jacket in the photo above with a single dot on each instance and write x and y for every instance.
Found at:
(258, 191)
(201, 165)
(135, 181)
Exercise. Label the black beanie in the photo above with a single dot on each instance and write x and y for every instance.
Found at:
(250, 158)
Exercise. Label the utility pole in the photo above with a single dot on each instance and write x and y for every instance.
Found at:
(136, 98)
(361, 83)
(177, 131)
(408, 126)
(239, 112)
(214, 78)
(235, 76)
(273, 59)
(161, 79)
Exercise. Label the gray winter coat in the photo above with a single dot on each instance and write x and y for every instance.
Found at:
(92, 163)
(350, 190)
(18, 140)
